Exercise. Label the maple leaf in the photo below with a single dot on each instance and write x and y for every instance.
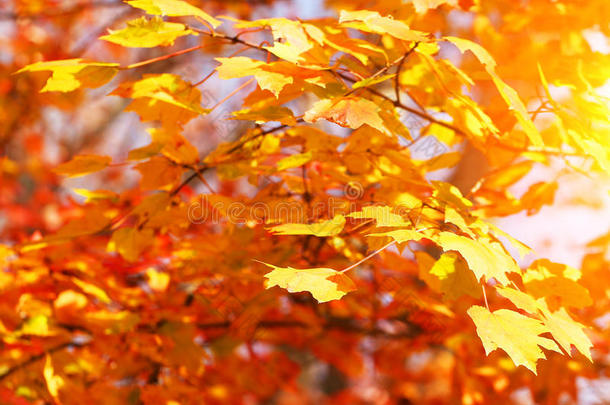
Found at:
(403, 235)
(289, 37)
(324, 284)
(240, 66)
(348, 112)
(130, 242)
(422, 6)
(381, 214)
(516, 334)
(330, 227)
(369, 81)
(82, 165)
(168, 142)
(272, 113)
(557, 283)
(71, 74)
(509, 95)
(455, 277)
(173, 8)
(372, 21)
(486, 259)
(145, 33)
(164, 97)
(158, 173)
(293, 161)
(567, 332)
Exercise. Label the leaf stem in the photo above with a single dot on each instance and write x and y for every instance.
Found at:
(368, 257)
(164, 57)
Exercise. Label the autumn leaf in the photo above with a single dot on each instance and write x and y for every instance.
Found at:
(173, 8)
(165, 98)
(372, 21)
(293, 161)
(315, 142)
(455, 277)
(516, 334)
(383, 216)
(71, 74)
(82, 165)
(369, 81)
(422, 6)
(402, 235)
(567, 332)
(330, 227)
(348, 112)
(557, 283)
(281, 114)
(486, 259)
(158, 173)
(53, 381)
(509, 95)
(130, 242)
(144, 33)
(324, 284)
(240, 66)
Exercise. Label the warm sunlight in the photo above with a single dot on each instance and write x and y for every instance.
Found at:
(283, 202)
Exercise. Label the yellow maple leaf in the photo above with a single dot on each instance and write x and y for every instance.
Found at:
(240, 66)
(331, 227)
(567, 332)
(173, 8)
(324, 284)
(402, 235)
(383, 215)
(290, 39)
(509, 94)
(487, 259)
(455, 277)
(292, 161)
(422, 6)
(164, 97)
(516, 334)
(372, 21)
(351, 112)
(70, 74)
(130, 242)
(145, 33)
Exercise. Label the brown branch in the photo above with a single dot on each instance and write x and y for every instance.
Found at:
(398, 69)
(39, 356)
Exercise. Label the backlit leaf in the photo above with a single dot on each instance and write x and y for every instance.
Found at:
(82, 165)
(71, 74)
(240, 66)
(173, 8)
(516, 334)
(144, 33)
(324, 284)
(165, 97)
(330, 227)
(348, 112)
(292, 161)
(486, 260)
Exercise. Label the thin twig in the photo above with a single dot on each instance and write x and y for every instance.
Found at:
(368, 257)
